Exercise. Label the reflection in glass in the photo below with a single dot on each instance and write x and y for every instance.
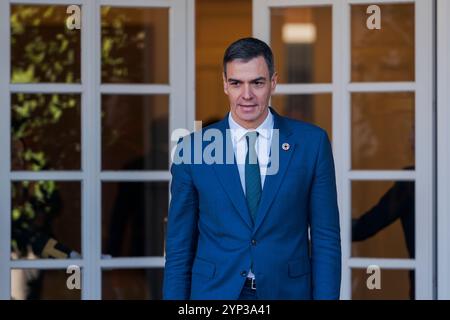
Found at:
(312, 108)
(43, 49)
(301, 43)
(386, 54)
(134, 218)
(34, 284)
(395, 285)
(383, 215)
(45, 132)
(382, 130)
(45, 219)
(212, 35)
(136, 284)
(135, 45)
(135, 132)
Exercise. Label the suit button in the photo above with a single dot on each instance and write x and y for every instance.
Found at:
(244, 273)
(253, 242)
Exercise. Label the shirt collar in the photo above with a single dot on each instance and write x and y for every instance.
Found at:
(264, 129)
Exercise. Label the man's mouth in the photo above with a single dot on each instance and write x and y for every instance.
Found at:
(247, 106)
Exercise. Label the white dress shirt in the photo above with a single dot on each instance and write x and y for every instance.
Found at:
(263, 143)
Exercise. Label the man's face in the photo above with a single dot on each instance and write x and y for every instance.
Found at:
(249, 87)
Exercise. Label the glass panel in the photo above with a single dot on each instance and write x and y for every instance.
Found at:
(135, 45)
(46, 219)
(301, 44)
(313, 108)
(135, 132)
(36, 119)
(383, 131)
(395, 285)
(43, 49)
(34, 284)
(386, 54)
(134, 218)
(213, 18)
(136, 284)
(383, 219)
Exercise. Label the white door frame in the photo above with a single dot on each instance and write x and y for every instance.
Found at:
(341, 89)
(181, 115)
(443, 145)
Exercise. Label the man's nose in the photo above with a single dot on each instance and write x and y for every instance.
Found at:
(247, 94)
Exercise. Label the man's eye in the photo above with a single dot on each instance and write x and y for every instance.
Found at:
(259, 83)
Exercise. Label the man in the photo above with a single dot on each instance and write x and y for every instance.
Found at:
(240, 230)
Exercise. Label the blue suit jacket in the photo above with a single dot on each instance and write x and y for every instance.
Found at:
(211, 238)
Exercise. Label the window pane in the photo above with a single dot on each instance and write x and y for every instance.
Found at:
(386, 54)
(135, 132)
(395, 285)
(45, 132)
(383, 131)
(46, 219)
(135, 45)
(313, 108)
(43, 49)
(134, 218)
(301, 44)
(34, 284)
(383, 219)
(213, 18)
(136, 284)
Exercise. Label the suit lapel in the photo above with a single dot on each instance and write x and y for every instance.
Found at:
(272, 182)
(228, 175)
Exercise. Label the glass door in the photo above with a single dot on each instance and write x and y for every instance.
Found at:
(87, 113)
(371, 89)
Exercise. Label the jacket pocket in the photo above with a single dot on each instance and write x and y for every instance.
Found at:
(204, 268)
(299, 267)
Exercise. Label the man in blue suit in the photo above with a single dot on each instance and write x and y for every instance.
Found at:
(266, 224)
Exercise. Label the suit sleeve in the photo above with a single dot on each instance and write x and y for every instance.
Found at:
(324, 226)
(398, 201)
(182, 233)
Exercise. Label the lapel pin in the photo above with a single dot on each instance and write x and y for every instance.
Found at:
(285, 146)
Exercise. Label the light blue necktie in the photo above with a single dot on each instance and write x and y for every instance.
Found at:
(252, 175)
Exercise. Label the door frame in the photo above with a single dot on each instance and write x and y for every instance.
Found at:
(443, 147)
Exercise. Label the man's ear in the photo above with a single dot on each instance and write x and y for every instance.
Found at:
(273, 82)
(225, 83)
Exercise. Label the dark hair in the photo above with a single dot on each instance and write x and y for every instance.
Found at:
(246, 49)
